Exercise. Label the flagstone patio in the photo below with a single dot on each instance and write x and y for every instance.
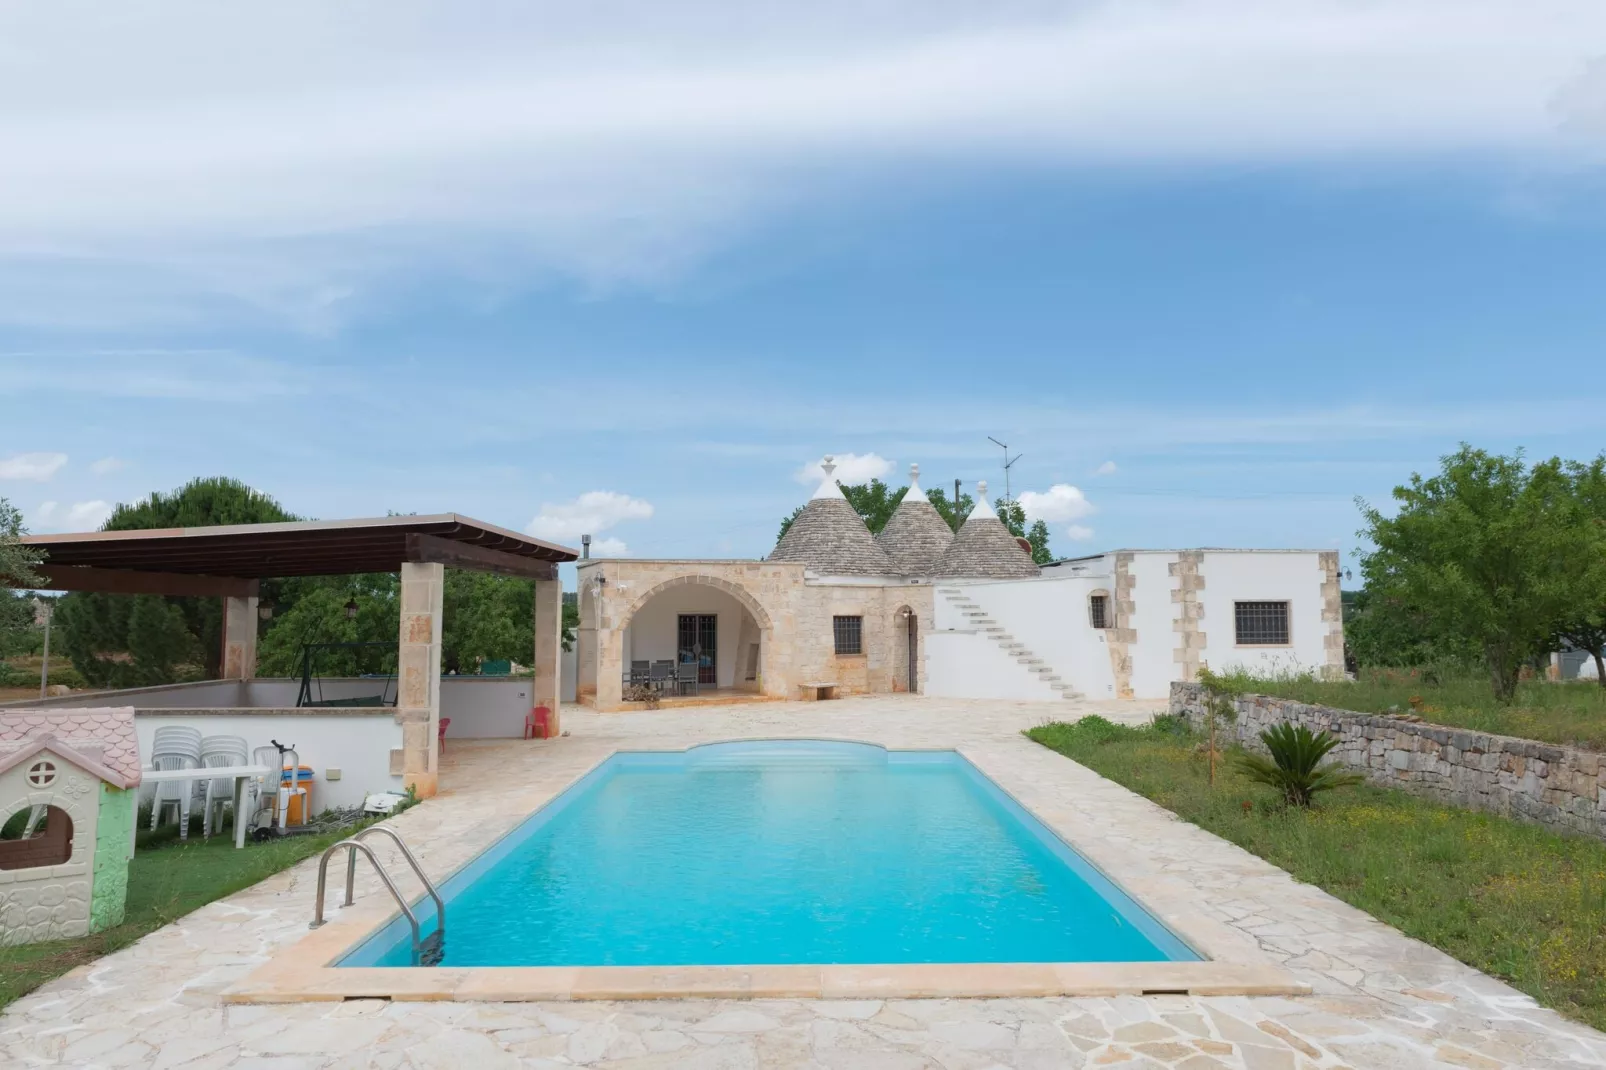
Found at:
(1379, 999)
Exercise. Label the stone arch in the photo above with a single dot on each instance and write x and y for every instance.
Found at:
(735, 590)
(908, 640)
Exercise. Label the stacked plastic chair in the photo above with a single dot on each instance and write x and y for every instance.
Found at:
(219, 752)
(175, 747)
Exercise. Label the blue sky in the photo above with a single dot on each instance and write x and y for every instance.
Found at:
(1218, 267)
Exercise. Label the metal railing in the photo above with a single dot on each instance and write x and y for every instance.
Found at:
(427, 951)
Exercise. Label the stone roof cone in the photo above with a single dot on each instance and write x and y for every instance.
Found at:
(984, 548)
(917, 535)
(830, 538)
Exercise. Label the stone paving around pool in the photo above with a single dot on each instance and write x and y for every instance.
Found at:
(1380, 999)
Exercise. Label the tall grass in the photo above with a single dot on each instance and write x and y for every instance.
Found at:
(1573, 712)
(1513, 900)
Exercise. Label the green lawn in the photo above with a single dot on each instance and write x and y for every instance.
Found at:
(1573, 712)
(166, 880)
(1523, 904)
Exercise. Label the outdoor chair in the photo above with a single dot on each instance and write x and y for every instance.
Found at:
(440, 736)
(686, 677)
(661, 673)
(174, 747)
(219, 752)
(640, 672)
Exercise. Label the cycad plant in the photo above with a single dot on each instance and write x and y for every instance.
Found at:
(1294, 768)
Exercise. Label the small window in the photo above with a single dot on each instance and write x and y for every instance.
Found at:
(1098, 610)
(36, 836)
(849, 633)
(1261, 623)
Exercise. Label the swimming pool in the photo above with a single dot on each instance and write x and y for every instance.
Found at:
(781, 852)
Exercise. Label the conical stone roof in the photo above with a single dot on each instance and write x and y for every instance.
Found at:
(830, 538)
(984, 548)
(916, 536)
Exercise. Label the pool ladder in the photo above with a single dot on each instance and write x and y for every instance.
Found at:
(428, 950)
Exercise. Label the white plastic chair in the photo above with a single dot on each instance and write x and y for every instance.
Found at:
(175, 747)
(218, 752)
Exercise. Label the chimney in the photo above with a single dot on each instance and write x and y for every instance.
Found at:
(585, 547)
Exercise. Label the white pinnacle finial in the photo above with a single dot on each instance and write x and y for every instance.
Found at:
(914, 492)
(914, 472)
(828, 487)
(982, 508)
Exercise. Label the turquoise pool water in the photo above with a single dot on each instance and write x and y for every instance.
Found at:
(782, 852)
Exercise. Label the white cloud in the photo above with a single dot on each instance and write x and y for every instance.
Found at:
(609, 547)
(1105, 469)
(38, 467)
(1078, 533)
(195, 150)
(80, 516)
(107, 465)
(1060, 502)
(851, 468)
(591, 513)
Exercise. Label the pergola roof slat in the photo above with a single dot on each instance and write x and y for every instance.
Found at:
(302, 548)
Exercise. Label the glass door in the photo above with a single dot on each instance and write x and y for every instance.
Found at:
(697, 639)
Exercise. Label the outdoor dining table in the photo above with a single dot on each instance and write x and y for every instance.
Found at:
(240, 774)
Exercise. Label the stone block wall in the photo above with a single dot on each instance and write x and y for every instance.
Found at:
(1560, 787)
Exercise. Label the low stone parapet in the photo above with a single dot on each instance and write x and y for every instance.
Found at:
(1543, 783)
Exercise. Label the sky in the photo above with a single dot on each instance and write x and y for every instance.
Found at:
(1214, 269)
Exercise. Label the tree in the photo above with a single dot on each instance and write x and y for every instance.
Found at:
(1491, 550)
(1014, 518)
(954, 512)
(17, 564)
(1584, 628)
(95, 625)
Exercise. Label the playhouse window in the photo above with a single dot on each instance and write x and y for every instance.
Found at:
(30, 838)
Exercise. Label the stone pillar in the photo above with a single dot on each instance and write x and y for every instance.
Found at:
(418, 667)
(239, 638)
(548, 647)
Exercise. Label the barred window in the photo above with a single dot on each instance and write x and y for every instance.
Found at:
(849, 632)
(1261, 623)
(1098, 610)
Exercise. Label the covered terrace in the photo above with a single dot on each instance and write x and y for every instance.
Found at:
(368, 748)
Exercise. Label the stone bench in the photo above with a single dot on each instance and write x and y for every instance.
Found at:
(816, 692)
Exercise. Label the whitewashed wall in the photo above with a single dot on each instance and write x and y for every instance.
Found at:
(1154, 663)
(485, 707)
(1292, 577)
(1050, 616)
(964, 664)
(357, 744)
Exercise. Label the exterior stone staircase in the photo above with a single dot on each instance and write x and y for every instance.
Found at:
(989, 627)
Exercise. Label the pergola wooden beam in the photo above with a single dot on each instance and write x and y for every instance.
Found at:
(429, 549)
(130, 581)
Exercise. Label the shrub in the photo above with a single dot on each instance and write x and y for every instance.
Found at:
(1294, 768)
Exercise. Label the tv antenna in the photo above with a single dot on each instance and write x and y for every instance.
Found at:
(1009, 462)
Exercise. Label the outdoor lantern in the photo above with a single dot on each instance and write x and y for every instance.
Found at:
(265, 609)
(351, 608)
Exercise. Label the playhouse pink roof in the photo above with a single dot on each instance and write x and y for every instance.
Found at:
(101, 740)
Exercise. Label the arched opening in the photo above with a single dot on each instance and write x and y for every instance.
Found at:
(36, 836)
(905, 637)
(708, 636)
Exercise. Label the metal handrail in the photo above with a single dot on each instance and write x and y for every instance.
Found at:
(354, 844)
(418, 871)
(323, 876)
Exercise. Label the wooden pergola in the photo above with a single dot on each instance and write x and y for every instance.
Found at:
(229, 562)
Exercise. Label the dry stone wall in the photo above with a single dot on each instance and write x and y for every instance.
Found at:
(1559, 787)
